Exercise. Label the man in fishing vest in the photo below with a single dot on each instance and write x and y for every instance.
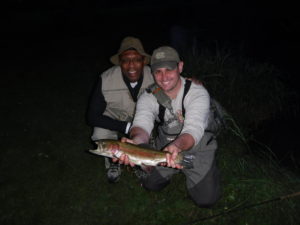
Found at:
(113, 100)
(182, 110)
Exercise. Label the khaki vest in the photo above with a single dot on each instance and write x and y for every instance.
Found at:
(120, 104)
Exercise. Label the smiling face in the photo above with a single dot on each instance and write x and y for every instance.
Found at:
(169, 80)
(132, 64)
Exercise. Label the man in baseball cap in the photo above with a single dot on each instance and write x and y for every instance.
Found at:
(182, 110)
(166, 68)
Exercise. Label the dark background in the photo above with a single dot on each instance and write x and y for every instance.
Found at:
(34, 32)
(268, 31)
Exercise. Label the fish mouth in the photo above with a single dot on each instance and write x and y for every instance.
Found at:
(101, 146)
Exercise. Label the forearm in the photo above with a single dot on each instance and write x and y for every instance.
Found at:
(107, 123)
(97, 106)
(184, 142)
(95, 118)
(139, 135)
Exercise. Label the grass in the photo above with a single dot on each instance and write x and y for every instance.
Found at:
(47, 177)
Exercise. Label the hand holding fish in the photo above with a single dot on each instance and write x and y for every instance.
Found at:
(173, 151)
(122, 158)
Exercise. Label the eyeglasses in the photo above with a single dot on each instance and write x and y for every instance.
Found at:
(132, 60)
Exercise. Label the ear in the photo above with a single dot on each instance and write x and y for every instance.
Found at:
(145, 60)
(180, 66)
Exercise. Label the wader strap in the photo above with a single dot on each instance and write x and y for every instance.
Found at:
(163, 100)
(162, 109)
(186, 89)
(161, 113)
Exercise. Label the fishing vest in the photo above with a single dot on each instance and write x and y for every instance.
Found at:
(167, 133)
(120, 104)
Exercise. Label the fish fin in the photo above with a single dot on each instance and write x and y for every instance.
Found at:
(187, 161)
(147, 168)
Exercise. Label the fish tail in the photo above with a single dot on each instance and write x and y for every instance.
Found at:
(187, 161)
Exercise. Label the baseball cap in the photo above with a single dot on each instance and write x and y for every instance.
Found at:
(164, 57)
(129, 43)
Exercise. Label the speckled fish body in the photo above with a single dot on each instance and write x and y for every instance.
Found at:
(138, 155)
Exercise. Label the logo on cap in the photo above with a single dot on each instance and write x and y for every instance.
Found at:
(160, 55)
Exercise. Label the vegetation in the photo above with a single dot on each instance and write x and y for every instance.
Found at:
(241, 84)
(47, 177)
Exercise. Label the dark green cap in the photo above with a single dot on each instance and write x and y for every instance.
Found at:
(164, 57)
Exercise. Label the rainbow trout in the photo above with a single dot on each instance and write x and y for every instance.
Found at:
(139, 155)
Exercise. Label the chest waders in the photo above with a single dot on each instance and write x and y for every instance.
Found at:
(168, 130)
(202, 181)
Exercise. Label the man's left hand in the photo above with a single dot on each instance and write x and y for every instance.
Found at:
(173, 151)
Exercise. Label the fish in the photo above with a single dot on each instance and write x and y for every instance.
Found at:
(139, 155)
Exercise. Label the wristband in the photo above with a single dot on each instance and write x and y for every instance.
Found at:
(127, 127)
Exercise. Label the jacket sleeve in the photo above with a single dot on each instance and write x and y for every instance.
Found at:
(96, 108)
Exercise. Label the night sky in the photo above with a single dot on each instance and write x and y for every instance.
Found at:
(270, 32)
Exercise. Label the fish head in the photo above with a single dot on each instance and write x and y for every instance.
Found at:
(102, 149)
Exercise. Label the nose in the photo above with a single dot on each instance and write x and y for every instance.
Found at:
(164, 76)
(131, 63)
